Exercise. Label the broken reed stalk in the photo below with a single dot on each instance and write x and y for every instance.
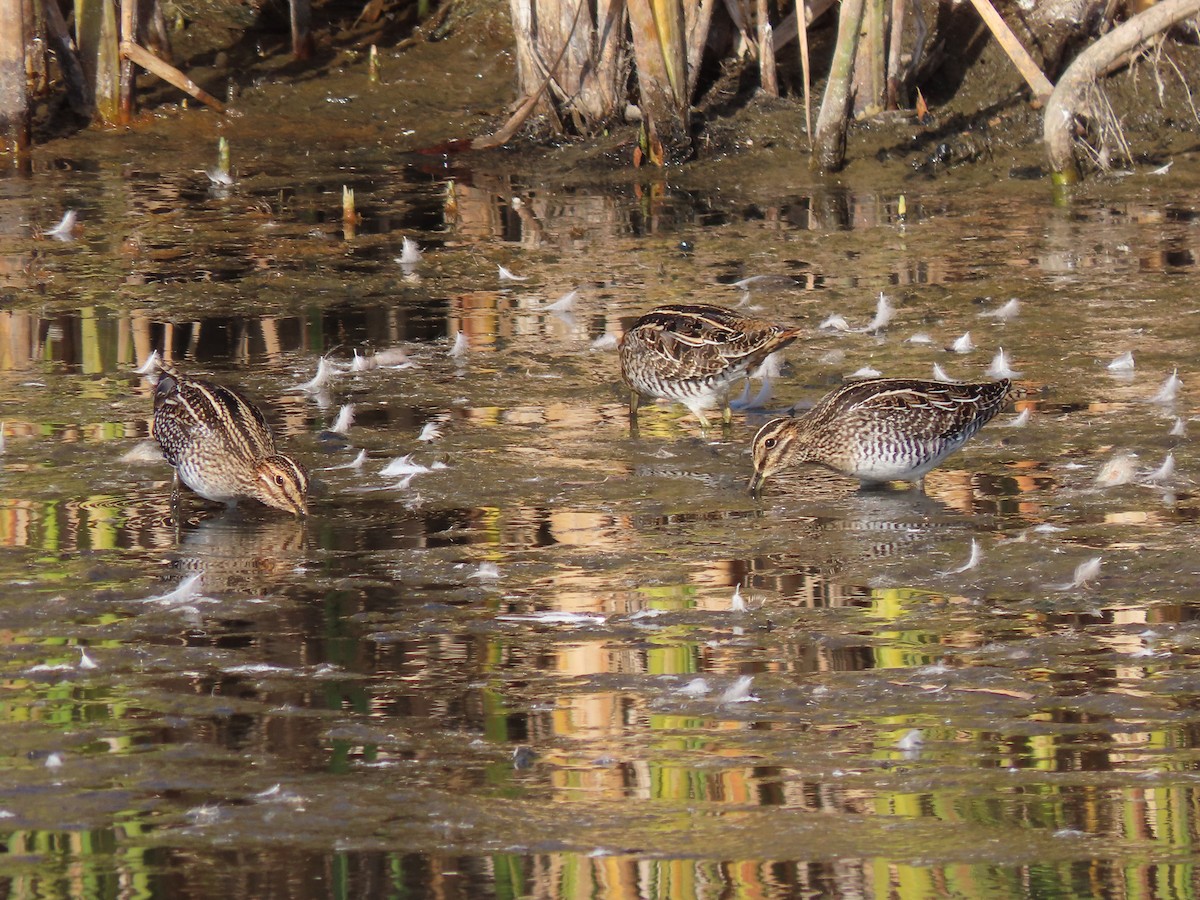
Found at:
(835, 106)
(169, 74)
(1038, 83)
(349, 213)
(1067, 98)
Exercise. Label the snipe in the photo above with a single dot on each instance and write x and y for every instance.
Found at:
(222, 447)
(879, 429)
(694, 353)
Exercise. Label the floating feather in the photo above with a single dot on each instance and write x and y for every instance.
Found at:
(1020, 421)
(150, 365)
(1000, 367)
(185, 591)
(219, 177)
(1179, 429)
(65, 229)
(1123, 363)
(85, 661)
(487, 571)
(1169, 390)
(1085, 573)
(394, 358)
(866, 372)
(606, 342)
(883, 314)
(345, 418)
(356, 463)
(972, 561)
(939, 374)
(321, 380)
(565, 303)
(739, 691)
(919, 338)
(1163, 473)
(403, 465)
(834, 323)
(697, 687)
(410, 254)
(431, 432)
(461, 347)
(738, 602)
(363, 363)
(964, 344)
(1006, 312)
(506, 275)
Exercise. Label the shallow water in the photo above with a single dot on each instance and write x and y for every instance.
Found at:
(525, 673)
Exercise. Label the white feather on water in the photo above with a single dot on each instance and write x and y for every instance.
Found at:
(1085, 573)
(834, 323)
(1178, 428)
(939, 374)
(345, 418)
(1169, 389)
(1123, 363)
(1000, 367)
(1020, 421)
(739, 691)
(356, 463)
(325, 373)
(1163, 473)
(738, 602)
(972, 561)
(410, 254)
(963, 344)
(185, 591)
(506, 275)
(65, 229)
(461, 346)
(1005, 313)
(150, 365)
(565, 303)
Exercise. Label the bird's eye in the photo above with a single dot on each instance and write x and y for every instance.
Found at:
(770, 443)
(279, 480)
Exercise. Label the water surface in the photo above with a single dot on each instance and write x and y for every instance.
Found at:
(524, 672)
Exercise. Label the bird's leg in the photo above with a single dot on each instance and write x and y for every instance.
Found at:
(727, 419)
(634, 398)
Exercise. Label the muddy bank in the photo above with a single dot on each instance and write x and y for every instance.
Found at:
(453, 79)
